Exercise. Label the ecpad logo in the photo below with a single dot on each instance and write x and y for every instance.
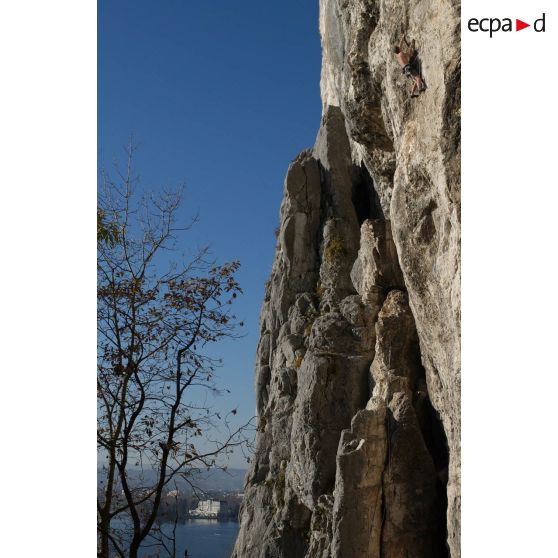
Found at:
(493, 25)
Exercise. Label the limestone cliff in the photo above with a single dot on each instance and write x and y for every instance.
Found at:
(358, 363)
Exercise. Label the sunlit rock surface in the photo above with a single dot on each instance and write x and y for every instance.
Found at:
(358, 364)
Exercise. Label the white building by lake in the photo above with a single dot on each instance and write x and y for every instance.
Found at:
(209, 509)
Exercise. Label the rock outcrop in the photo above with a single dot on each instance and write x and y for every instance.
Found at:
(358, 363)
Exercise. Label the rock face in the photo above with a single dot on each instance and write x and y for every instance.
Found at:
(358, 363)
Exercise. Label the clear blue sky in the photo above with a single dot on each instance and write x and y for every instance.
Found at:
(222, 96)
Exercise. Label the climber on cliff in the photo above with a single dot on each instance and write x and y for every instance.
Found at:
(408, 62)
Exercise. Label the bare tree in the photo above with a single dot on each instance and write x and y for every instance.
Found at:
(156, 319)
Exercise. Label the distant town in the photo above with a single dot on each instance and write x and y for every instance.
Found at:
(216, 505)
(215, 495)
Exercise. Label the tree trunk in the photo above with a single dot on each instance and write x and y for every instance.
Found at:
(104, 546)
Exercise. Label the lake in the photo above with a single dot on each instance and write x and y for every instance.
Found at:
(204, 538)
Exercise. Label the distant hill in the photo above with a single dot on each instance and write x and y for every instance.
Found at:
(212, 480)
